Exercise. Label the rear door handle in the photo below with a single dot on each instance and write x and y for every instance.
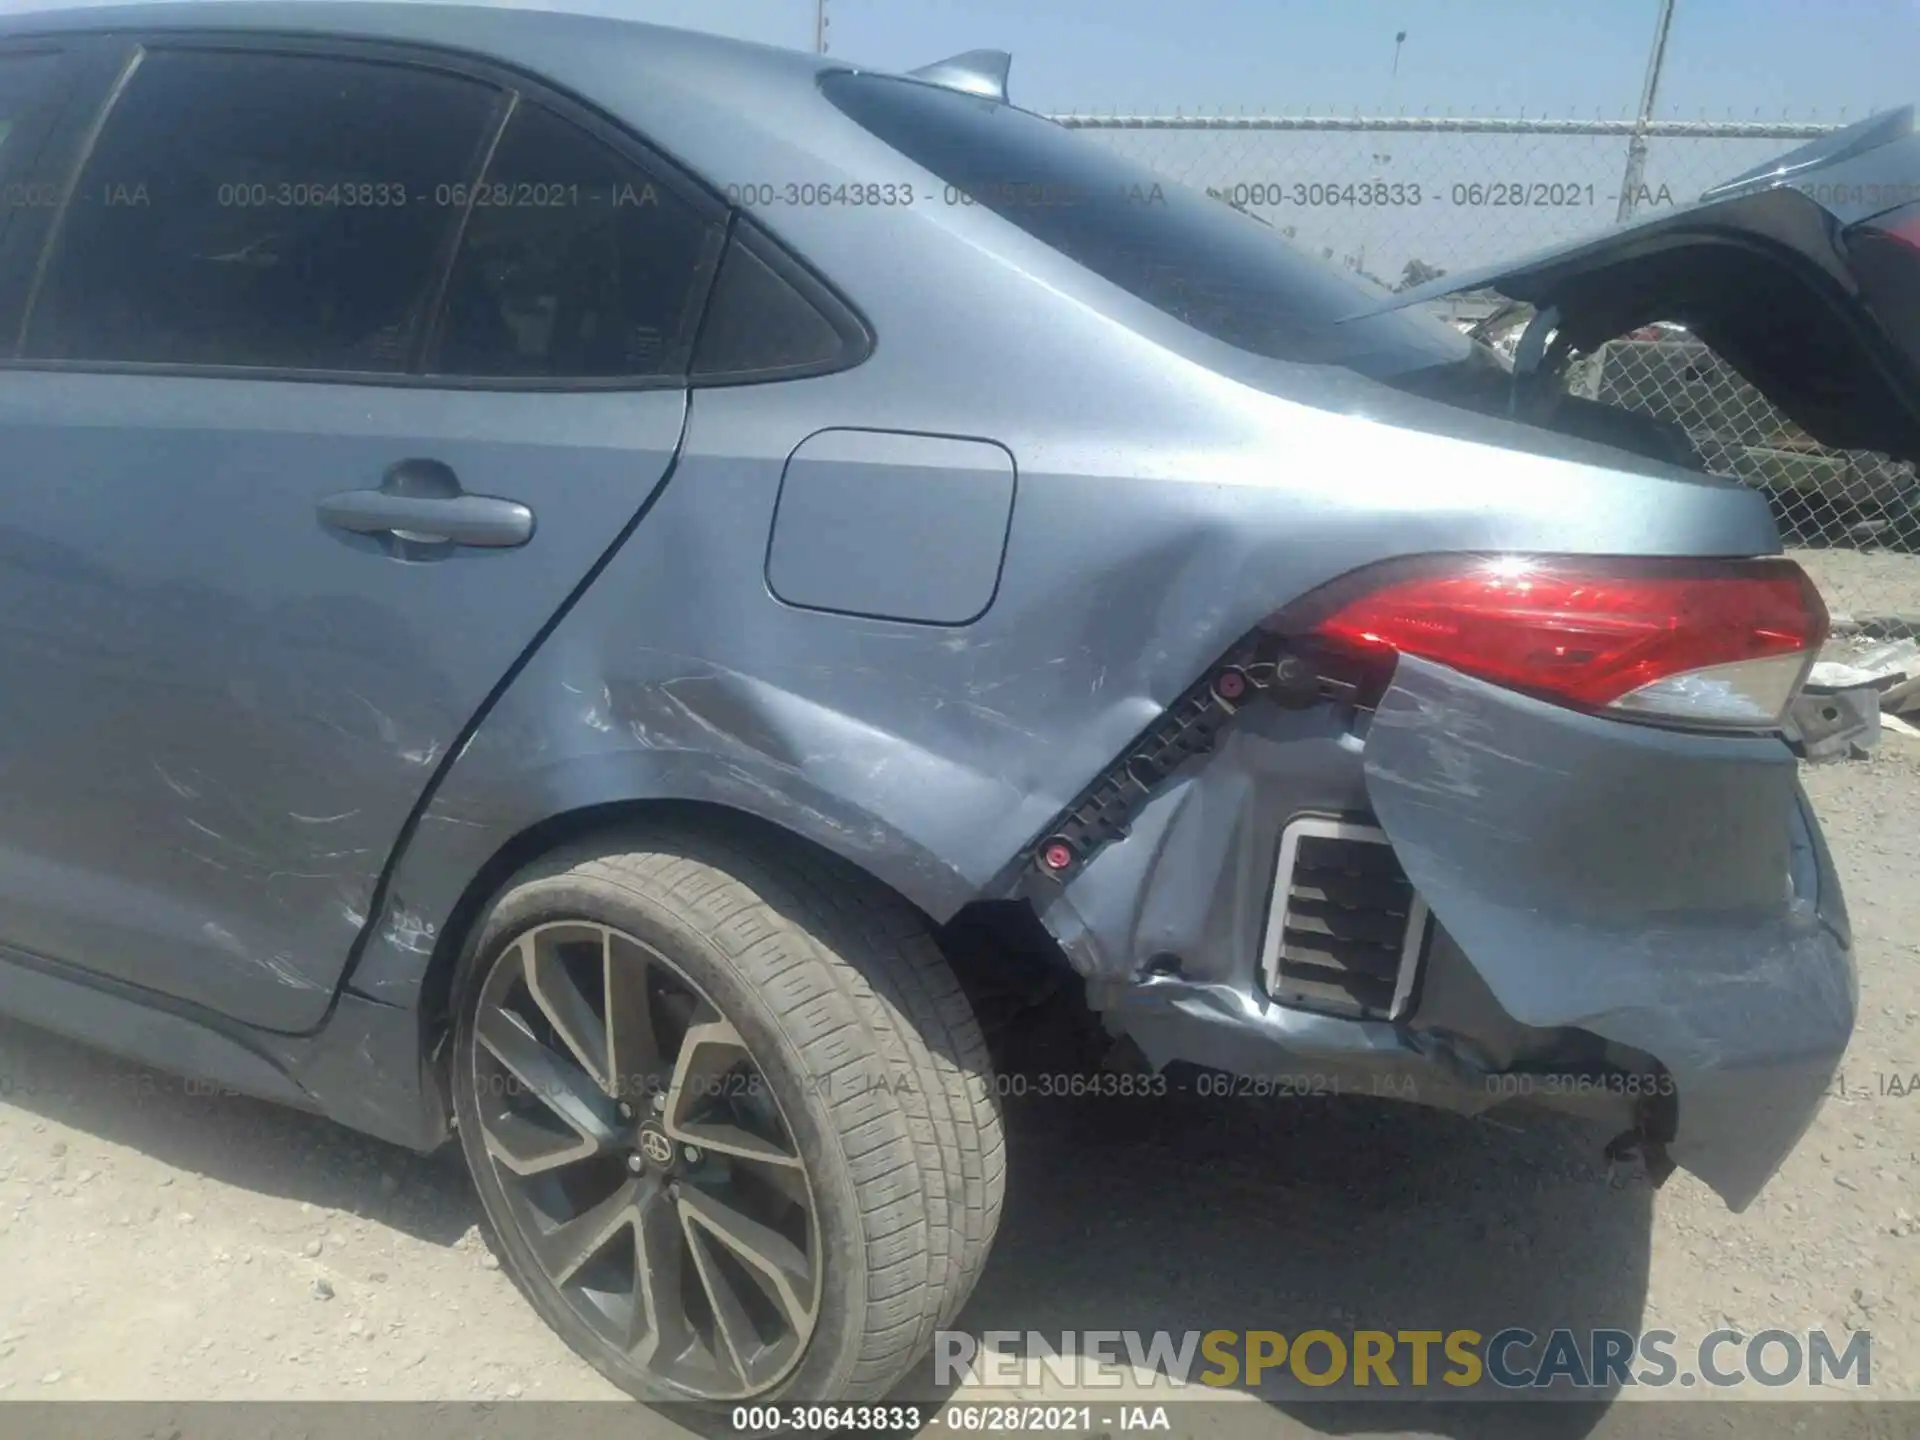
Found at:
(421, 501)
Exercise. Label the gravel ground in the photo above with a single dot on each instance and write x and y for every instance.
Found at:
(165, 1244)
(1866, 583)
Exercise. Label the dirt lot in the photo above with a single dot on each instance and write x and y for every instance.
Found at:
(1874, 584)
(155, 1242)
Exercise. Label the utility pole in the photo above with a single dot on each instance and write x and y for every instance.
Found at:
(820, 27)
(1637, 146)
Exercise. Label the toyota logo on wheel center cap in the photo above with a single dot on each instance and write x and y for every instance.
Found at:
(656, 1146)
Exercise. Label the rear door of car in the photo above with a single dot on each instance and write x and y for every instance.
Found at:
(336, 371)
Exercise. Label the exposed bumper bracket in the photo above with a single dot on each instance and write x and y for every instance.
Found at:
(1826, 725)
(1260, 669)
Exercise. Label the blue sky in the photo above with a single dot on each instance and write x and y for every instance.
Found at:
(1808, 58)
(1799, 59)
(1822, 60)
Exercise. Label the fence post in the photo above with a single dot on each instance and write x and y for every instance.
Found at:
(1637, 146)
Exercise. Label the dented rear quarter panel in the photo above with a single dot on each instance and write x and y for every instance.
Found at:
(1159, 516)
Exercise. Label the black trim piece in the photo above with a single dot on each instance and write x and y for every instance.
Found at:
(83, 155)
(1262, 666)
(427, 336)
(705, 314)
(384, 379)
(35, 133)
(1345, 929)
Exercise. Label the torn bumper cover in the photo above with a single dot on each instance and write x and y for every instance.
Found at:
(1631, 923)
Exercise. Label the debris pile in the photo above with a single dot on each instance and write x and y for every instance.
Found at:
(1871, 673)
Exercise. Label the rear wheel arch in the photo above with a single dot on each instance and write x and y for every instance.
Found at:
(601, 827)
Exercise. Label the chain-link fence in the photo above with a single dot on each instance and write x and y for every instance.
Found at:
(1401, 200)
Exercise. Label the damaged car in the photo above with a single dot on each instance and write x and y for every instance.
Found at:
(546, 558)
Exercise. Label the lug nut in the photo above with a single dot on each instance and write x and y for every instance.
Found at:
(1230, 685)
(1056, 855)
(691, 1154)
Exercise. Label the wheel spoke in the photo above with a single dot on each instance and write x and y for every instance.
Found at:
(660, 1248)
(528, 1149)
(778, 1266)
(737, 1142)
(559, 997)
(562, 1087)
(729, 1321)
(571, 1244)
(710, 1050)
(633, 1055)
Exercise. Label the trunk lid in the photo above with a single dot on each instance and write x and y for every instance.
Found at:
(1804, 274)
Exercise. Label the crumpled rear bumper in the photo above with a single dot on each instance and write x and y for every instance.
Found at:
(1634, 924)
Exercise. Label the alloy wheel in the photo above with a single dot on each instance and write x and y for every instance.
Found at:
(645, 1162)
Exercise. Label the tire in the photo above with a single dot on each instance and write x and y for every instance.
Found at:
(870, 1077)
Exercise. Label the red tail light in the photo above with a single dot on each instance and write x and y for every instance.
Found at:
(1716, 643)
(1903, 225)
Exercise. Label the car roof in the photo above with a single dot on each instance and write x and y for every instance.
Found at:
(509, 33)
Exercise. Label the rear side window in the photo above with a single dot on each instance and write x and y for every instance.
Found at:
(263, 210)
(1224, 273)
(26, 82)
(769, 319)
(576, 262)
(30, 85)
